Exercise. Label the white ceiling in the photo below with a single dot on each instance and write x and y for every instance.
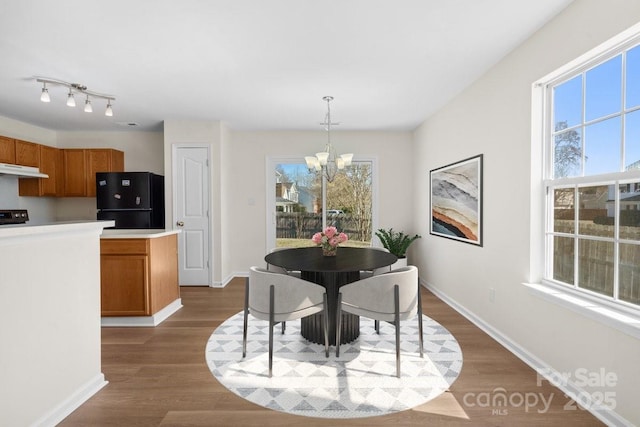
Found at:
(254, 64)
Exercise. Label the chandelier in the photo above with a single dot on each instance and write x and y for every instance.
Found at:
(75, 88)
(327, 162)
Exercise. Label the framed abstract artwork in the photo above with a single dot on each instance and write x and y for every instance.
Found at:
(456, 201)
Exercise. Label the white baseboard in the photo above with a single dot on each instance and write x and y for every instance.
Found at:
(143, 321)
(604, 414)
(73, 402)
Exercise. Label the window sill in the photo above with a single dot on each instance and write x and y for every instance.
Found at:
(622, 320)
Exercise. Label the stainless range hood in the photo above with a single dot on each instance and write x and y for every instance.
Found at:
(21, 171)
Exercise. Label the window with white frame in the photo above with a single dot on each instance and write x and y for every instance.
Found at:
(592, 182)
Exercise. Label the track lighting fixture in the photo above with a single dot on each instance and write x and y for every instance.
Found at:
(78, 88)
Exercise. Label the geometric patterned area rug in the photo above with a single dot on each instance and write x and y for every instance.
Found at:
(361, 383)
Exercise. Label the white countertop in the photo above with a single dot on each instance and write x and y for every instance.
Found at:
(19, 230)
(136, 233)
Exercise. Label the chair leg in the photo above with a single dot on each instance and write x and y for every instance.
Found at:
(376, 325)
(246, 318)
(338, 323)
(271, 323)
(396, 295)
(325, 325)
(284, 326)
(421, 339)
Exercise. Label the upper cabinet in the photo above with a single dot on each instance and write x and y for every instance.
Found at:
(7, 150)
(51, 163)
(102, 160)
(27, 153)
(81, 165)
(72, 171)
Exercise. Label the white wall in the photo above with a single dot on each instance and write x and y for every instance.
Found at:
(493, 117)
(20, 130)
(247, 157)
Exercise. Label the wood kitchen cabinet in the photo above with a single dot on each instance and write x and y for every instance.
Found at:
(102, 160)
(27, 153)
(74, 172)
(81, 165)
(7, 150)
(138, 276)
(51, 163)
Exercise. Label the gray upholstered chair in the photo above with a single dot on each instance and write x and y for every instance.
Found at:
(279, 297)
(281, 270)
(390, 297)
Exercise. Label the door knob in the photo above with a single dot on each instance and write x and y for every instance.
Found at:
(180, 223)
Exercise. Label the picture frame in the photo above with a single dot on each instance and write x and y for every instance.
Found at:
(456, 200)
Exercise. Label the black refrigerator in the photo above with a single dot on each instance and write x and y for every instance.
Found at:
(132, 199)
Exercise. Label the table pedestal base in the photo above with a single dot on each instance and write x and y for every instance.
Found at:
(311, 326)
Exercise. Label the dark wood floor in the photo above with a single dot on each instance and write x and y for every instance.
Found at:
(159, 377)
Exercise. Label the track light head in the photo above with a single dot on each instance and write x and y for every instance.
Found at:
(87, 106)
(109, 111)
(44, 97)
(71, 101)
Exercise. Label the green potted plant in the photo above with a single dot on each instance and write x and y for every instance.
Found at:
(396, 242)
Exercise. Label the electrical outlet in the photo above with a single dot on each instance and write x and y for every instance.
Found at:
(492, 294)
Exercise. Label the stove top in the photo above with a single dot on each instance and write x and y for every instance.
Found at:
(13, 216)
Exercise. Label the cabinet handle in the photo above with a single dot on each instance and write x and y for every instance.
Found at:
(180, 223)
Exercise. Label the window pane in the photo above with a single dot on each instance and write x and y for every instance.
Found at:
(567, 154)
(630, 211)
(350, 195)
(602, 147)
(567, 103)
(629, 275)
(632, 140)
(633, 78)
(603, 89)
(596, 214)
(297, 197)
(563, 260)
(595, 266)
(563, 212)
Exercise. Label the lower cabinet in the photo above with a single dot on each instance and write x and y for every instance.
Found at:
(138, 276)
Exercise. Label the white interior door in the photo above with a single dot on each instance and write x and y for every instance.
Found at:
(191, 205)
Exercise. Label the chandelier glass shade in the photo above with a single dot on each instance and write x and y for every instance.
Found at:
(328, 162)
(75, 88)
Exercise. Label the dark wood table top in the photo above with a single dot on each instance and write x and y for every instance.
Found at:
(347, 259)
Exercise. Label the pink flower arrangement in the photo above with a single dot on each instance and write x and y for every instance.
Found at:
(329, 238)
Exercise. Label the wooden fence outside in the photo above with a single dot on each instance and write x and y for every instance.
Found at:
(596, 260)
(298, 225)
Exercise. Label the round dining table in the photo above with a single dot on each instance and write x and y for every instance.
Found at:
(330, 272)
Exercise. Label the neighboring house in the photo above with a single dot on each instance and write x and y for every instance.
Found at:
(629, 198)
(286, 196)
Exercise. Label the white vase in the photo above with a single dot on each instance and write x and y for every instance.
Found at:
(401, 262)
